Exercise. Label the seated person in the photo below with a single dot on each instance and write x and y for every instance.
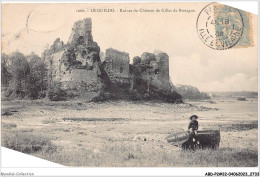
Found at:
(192, 129)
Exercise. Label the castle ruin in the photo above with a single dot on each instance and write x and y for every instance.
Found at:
(77, 65)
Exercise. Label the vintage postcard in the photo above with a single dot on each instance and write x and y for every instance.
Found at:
(170, 84)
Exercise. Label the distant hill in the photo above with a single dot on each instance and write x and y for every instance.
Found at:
(244, 94)
(191, 93)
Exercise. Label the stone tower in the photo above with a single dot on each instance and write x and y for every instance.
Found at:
(81, 32)
(75, 65)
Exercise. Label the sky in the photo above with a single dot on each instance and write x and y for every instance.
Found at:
(191, 61)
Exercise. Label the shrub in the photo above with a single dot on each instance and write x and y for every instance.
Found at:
(56, 93)
(72, 94)
(134, 96)
(7, 113)
(28, 143)
(49, 121)
(42, 95)
(8, 92)
(104, 96)
(9, 125)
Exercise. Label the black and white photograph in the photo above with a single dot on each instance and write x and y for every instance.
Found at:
(155, 84)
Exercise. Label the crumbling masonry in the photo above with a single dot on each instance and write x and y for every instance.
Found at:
(77, 65)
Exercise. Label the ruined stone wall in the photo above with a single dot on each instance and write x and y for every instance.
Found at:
(117, 66)
(54, 65)
(156, 70)
(75, 64)
(160, 73)
(80, 75)
(163, 64)
(81, 32)
(81, 79)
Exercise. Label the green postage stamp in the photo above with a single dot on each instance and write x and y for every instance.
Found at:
(222, 27)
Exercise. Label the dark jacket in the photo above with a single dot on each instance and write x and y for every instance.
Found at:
(194, 125)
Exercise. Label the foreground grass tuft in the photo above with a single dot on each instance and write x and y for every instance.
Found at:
(120, 155)
(28, 143)
(49, 121)
(9, 125)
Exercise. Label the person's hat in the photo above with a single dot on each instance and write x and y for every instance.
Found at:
(196, 117)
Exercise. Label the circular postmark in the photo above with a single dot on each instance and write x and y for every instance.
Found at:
(219, 26)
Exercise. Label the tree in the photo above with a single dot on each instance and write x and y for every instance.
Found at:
(28, 75)
(19, 69)
(38, 75)
(5, 74)
(56, 93)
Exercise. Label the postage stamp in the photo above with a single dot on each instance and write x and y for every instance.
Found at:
(221, 27)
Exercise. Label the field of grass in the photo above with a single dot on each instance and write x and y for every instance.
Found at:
(129, 134)
(120, 155)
